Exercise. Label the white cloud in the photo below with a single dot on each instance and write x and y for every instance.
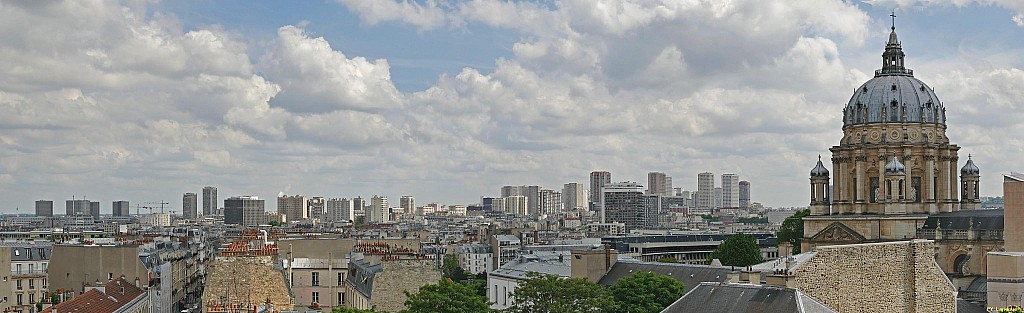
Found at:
(426, 16)
(316, 78)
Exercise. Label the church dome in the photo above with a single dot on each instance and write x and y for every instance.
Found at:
(893, 95)
(970, 169)
(819, 170)
(895, 167)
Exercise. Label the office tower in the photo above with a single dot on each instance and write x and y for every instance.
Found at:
(379, 209)
(718, 198)
(359, 205)
(532, 194)
(488, 204)
(624, 203)
(550, 202)
(705, 190)
(340, 210)
(121, 208)
(189, 206)
(76, 207)
(730, 191)
(244, 210)
(515, 205)
(508, 191)
(94, 209)
(408, 204)
(744, 194)
(44, 208)
(293, 207)
(659, 184)
(315, 208)
(210, 201)
(574, 196)
(597, 180)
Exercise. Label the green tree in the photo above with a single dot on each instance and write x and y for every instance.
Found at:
(738, 250)
(346, 309)
(446, 297)
(550, 294)
(450, 268)
(646, 292)
(792, 230)
(667, 260)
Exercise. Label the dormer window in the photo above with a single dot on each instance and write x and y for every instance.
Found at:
(893, 87)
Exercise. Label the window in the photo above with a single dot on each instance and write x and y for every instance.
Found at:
(32, 298)
(19, 299)
(110, 276)
(44, 283)
(31, 284)
(18, 268)
(316, 279)
(341, 278)
(341, 298)
(18, 283)
(316, 297)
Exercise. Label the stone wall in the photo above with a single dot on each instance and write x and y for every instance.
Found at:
(880, 277)
(398, 276)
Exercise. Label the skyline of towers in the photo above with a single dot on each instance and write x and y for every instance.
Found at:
(189, 205)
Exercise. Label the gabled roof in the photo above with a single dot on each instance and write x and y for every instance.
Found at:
(742, 298)
(117, 294)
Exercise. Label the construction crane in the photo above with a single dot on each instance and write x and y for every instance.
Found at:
(154, 204)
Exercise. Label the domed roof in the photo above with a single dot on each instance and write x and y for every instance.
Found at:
(893, 95)
(819, 170)
(895, 167)
(970, 169)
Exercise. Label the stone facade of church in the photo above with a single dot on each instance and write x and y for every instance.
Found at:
(895, 170)
(894, 166)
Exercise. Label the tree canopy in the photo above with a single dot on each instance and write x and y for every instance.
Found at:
(450, 268)
(446, 297)
(738, 250)
(550, 294)
(645, 292)
(792, 230)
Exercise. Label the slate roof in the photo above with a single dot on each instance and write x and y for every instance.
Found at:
(963, 306)
(31, 253)
(989, 219)
(742, 298)
(117, 294)
(689, 275)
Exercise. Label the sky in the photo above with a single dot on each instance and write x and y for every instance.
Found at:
(449, 100)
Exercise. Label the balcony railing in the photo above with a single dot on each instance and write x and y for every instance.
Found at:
(33, 273)
(959, 234)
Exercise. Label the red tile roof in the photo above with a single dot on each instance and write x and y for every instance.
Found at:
(118, 293)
